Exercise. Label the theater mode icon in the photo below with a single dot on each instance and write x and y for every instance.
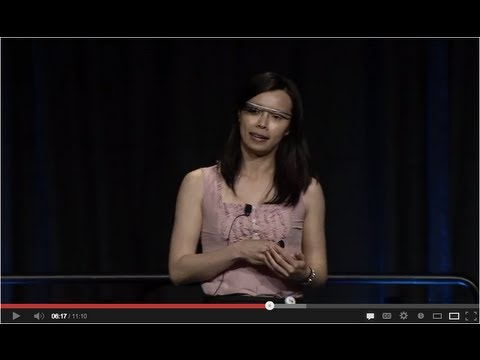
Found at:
(454, 316)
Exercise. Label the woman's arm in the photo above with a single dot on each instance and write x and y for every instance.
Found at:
(185, 265)
(314, 243)
(313, 258)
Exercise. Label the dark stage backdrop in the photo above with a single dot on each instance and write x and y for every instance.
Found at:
(97, 135)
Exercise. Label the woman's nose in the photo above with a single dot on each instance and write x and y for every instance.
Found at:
(262, 120)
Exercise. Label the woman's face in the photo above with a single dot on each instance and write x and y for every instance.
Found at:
(264, 121)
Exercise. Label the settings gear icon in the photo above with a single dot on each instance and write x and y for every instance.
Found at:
(403, 315)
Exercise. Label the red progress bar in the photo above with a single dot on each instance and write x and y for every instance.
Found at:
(133, 306)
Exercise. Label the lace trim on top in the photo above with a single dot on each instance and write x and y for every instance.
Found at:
(265, 222)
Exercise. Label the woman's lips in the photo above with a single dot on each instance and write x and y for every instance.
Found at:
(258, 137)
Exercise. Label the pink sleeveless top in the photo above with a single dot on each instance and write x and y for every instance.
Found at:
(265, 222)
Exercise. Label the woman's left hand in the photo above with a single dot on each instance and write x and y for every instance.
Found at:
(285, 265)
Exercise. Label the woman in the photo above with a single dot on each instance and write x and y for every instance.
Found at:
(258, 212)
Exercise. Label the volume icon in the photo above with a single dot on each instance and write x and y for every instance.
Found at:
(39, 316)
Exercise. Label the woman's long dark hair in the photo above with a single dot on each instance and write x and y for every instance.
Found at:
(292, 173)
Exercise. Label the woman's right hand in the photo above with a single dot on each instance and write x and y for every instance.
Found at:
(253, 251)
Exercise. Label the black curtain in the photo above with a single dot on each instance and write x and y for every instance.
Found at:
(97, 135)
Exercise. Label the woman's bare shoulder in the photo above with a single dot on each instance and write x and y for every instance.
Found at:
(314, 193)
(193, 181)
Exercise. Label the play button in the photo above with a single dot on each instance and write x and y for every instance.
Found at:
(15, 316)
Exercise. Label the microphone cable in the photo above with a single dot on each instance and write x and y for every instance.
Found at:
(246, 212)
